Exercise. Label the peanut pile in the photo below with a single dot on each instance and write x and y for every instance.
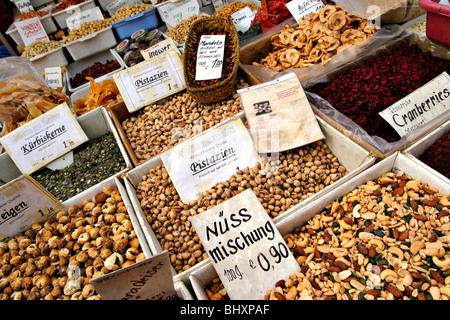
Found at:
(55, 260)
(279, 185)
(388, 239)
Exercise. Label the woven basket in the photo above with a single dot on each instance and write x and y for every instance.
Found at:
(224, 88)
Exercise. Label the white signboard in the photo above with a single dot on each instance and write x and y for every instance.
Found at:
(150, 279)
(23, 202)
(150, 81)
(44, 139)
(160, 48)
(31, 30)
(210, 53)
(243, 18)
(75, 20)
(302, 8)
(211, 157)
(24, 6)
(420, 106)
(173, 12)
(53, 77)
(246, 249)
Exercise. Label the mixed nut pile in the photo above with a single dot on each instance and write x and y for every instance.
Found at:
(279, 185)
(387, 239)
(55, 260)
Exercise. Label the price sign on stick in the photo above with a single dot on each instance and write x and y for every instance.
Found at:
(302, 8)
(246, 249)
(31, 30)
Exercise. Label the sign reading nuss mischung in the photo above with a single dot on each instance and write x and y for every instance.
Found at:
(44, 139)
(247, 251)
(421, 106)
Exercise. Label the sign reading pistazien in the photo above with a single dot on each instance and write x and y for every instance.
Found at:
(150, 81)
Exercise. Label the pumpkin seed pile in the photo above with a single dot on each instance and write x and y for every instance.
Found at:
(93, 162)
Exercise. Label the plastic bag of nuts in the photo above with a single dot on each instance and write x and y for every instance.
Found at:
(279, 185)
(387, 239)
(55, 260)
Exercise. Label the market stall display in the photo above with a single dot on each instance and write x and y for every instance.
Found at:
(363, 211)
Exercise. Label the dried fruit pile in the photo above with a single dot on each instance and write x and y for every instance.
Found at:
(364, 91)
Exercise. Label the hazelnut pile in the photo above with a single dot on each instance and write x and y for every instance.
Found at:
(55, 260)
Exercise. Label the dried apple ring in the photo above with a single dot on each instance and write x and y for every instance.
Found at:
(284, 37)
(326, 12)
(352, 36)
(337, 20)
(292, 55)
(298, 39)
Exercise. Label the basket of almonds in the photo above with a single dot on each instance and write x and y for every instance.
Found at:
(216, 89)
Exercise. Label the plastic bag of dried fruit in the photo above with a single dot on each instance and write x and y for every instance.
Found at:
(24, 95)
(389, 11)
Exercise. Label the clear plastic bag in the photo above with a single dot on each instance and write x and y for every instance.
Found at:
(24, 95)
(389, 11)
(262, 45)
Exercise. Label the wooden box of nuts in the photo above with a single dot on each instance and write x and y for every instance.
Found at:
(155, 198)
(97, 124)
(158, 127)
(382, 235)
(95, 234)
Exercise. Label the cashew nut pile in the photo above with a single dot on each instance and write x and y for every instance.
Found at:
(317, 39)
(56, 259)
(388, 239)
(279, 185)
(158, 128)
(39, 47)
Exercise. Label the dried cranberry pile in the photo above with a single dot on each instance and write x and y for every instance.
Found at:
(437, 156)
(364, 91)
(96, 70)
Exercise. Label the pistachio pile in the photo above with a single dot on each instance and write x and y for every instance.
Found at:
(279, 184)
(55, 260)
(387, 239)
(157, 128)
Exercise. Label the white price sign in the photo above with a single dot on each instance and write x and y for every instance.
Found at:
(23, 202)
(302, 8)
(53, 77)
(150, 81)
(213, 156)
(44, 139)
(210, 53)
(74, 21)
(243, 18)
(160, 48)
(31, 30)
(246, 249)
(24, 6)
(173, 12)
(420, 106)
(150, 279)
